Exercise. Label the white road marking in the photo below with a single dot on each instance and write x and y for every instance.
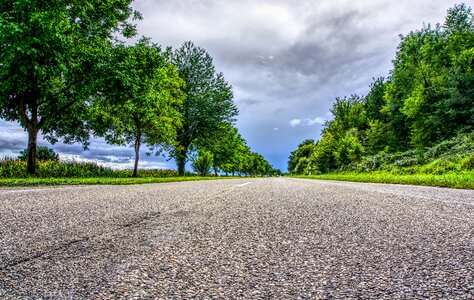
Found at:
(243, 184)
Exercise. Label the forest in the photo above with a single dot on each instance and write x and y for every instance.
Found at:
(69, 71)
(420, 119)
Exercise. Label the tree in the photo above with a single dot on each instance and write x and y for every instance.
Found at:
(322, 159)
(373, 102)
(298, 159)
(429, 98)
(257, 165)
(224, 148)
(202, 162)
(348, 113)
(48, 52)
(208, 101)
(349, 148)
(238, 160)
(43, 153)
(139, 99)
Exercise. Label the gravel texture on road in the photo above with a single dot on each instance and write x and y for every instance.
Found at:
(265, 238)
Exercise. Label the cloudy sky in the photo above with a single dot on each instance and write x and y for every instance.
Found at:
(286, 59)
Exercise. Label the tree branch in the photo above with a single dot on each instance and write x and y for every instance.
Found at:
(62, 91)
(54, 112)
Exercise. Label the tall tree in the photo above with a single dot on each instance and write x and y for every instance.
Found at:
(139, 98)
(48, 54)
(208, 101)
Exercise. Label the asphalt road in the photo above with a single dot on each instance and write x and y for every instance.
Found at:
(250, 239)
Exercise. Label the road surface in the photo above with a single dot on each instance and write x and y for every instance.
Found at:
(265, 238)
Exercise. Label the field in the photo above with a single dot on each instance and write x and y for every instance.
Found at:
(13, 173)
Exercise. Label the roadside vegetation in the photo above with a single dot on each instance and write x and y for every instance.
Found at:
(416, 126)
(68, 72)
(50, 170)
(463, 180)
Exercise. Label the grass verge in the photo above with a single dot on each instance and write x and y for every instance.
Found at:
(464, 180)
(34, 181)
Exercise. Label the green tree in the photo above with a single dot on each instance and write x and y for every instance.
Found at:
(239, 160)
(322, 159)
(298, 160)
(208, 102)
(348, 113)
(376, 137)
(139, 99)
(257, 165)
(374, 100)
(224, 148)
(48, 52)
(42, 153)
(432, 81)
(202, 163)
(349, 148)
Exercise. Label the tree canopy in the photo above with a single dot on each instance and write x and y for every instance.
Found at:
(49, 51)
(140, 97)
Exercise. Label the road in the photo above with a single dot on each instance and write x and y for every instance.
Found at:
(264, 238)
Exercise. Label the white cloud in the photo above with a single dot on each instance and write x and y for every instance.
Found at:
(307, 122)
(116, 163)
(317, 120)
(295, 122)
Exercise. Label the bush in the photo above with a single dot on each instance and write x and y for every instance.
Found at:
(42, 154)
(454, 155)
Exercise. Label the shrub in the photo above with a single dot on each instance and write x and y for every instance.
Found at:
(42, 154)
(454, 155)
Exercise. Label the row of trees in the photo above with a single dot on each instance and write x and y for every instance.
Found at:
(230, 153)
(64, 73)
(428, 98)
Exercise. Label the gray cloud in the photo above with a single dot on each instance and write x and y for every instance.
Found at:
(12, 138)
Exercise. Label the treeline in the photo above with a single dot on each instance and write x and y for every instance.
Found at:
(65, 73)
(427, 100)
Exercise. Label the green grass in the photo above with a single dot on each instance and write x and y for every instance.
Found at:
(463, 180)
(35, 181)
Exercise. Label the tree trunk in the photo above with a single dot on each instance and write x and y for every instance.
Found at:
(31, 161)
(181, 161)
(137, 154)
